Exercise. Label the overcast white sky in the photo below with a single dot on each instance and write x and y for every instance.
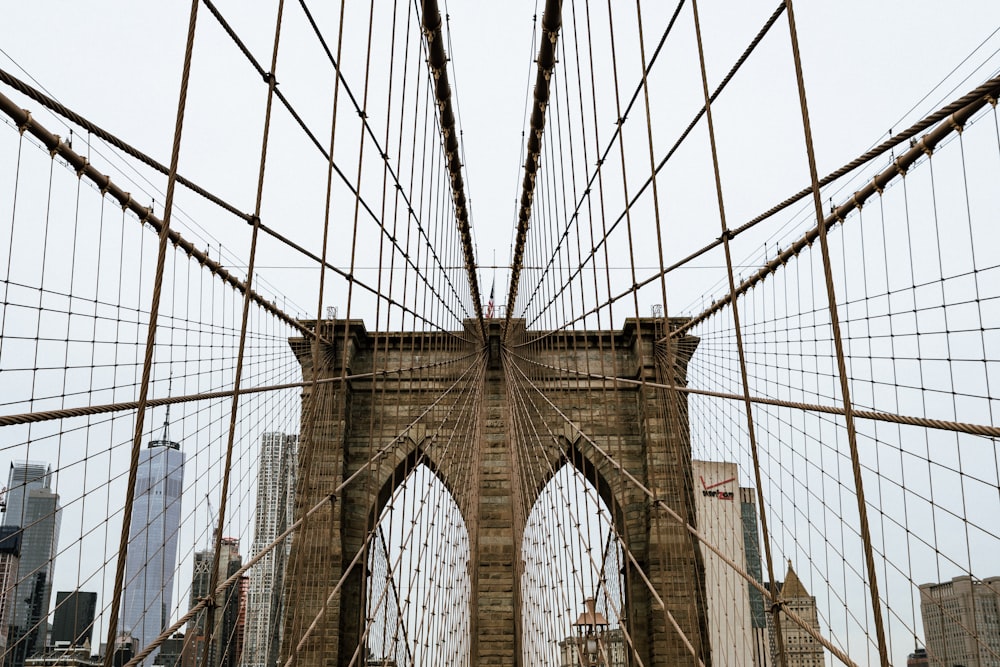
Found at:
(866, 65)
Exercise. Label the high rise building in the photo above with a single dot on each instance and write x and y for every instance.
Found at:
(73, 623)
(719, 513)
(760, 642)
(152, 547)
(241, 616)
(962, 621)
(33, 506)
(801, 648)
(223, 649)
(275, 511)
(10, 555)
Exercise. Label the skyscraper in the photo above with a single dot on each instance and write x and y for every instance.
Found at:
(32, 505)
(962, 621)
(751, 546)
(223, 649)
(275, 512)
(152, 545)
(720, 519)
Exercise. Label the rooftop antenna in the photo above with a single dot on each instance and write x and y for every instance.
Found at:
(210, 530)
(166, 419)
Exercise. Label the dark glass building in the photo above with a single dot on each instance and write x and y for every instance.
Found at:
(73, 624)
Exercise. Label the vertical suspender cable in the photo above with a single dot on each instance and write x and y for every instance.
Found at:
(866, 538)
(740, 349)
(213, 575)
(551, 24)
(154, 308)
(437, 61)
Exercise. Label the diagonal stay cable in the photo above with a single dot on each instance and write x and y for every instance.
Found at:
(981, 96)
(546, 61)
(203, 602)
(163, 239)
(795, 618)
(673, 149)
(236, 576)
(437, 61)
(96, 130)
(983, 430)
(84, 411)
(955, 114)
(987, 92)
(70, 115)
(145, 214)
(551, 24)
(384, 451)
(607, 150)
(26, 123)
(472, 391)
(522, 400)
(480, 368)
(368, 130)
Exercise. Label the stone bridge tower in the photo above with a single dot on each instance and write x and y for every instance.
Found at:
(610, 436)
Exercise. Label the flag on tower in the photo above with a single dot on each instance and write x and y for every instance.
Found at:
(489, 304)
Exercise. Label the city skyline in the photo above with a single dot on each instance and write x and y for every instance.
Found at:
(715, 482)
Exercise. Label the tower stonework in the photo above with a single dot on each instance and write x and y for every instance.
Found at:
(622, 440)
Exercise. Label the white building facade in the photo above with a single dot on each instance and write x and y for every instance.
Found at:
(275, 511)
(962, 621)
(719, 512)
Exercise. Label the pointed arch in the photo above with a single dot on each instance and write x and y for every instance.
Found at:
(418, 560)
(573, 559)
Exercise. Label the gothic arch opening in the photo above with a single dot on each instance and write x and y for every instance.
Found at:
(573, 601)
(416, 607)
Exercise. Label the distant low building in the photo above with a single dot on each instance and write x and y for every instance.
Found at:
(595, 643)
(73, 623)
(170, 651)
(125, 647)
(961, 620)
(918, 658)
(75, 656)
